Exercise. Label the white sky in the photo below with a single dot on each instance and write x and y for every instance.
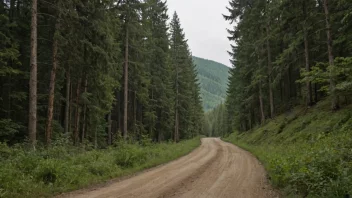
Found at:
(204, 26)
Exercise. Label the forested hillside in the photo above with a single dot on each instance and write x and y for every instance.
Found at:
(213, 79)
(287, 53)
(290, 92)
(83, 75)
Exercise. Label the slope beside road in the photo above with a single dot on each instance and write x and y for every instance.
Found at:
(214, 170)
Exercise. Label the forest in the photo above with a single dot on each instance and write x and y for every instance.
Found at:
(289, 95)
(92, 90)
(300, 56)
(213, 79)
(95, 71)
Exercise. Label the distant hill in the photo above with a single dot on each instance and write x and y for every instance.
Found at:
(213, 77)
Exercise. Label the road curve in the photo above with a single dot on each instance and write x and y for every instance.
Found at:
(216, 169)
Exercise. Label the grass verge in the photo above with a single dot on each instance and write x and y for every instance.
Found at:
(47, 172)
(307, 152)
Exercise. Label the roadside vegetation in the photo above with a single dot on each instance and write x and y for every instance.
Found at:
(88, 89)
(307, 152)
(63, 167)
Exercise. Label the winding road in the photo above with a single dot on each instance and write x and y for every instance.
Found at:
(216, 169)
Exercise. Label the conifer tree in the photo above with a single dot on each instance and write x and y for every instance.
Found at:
(84, 47)
(291, 42)
(184, 81)
(161, 116)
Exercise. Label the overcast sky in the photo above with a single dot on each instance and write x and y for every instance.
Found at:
(204, 27)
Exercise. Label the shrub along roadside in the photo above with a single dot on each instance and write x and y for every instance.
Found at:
(46, 172)
(306, 153)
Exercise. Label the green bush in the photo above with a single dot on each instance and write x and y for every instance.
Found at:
(130, 156)
(62, 168)
(8, 128)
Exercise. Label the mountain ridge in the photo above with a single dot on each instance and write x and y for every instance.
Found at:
(213, 79)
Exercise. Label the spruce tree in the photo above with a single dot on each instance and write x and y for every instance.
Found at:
(160, 117)
(184, 80)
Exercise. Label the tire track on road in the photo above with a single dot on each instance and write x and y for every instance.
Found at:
(214, 170)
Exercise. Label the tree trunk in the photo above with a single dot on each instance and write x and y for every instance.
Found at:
(176, 126)
(96, 136)
(158, 125)
(152, 124)
(176, 109)
(289, 84)
(32, 122)
(316, 93)
(67, 105)
(250, 120)
(48, 132)
(12, 10)
(109, 129)
(135, 114)
(306, 55)
(125, 109)
(78, 113)
(334, 98)
(261, 105)
(308, 83)
(118, 107)
(18, 7)
(84, 127)
(271, 96)
(71, 109)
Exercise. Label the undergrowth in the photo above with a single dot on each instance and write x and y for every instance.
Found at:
(45, 172)
(307, 152)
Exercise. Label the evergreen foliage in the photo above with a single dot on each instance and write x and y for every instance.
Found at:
(84, 51)
(286, 53)
(188, 106)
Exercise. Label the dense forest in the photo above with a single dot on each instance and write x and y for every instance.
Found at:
(213, 79)
(95, 71)
(284, 54)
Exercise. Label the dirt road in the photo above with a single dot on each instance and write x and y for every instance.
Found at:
(214, 170)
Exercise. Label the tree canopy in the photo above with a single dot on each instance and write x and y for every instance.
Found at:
(105, 70)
